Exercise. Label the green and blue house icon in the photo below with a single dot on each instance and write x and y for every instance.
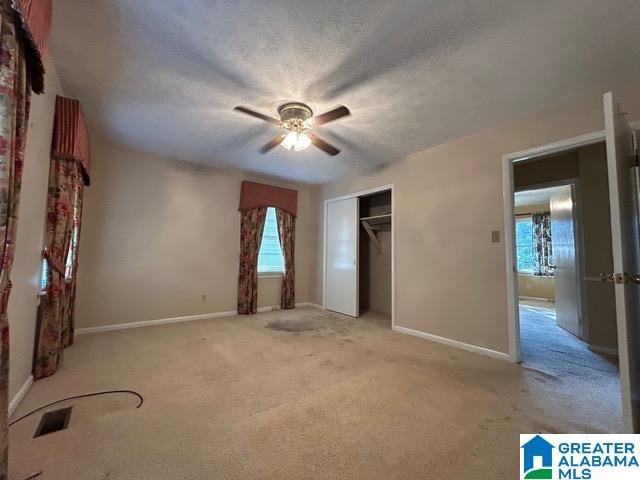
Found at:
(538, 447)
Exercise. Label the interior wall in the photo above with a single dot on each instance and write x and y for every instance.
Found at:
(25, 275)
(545, 170)
(530, 285)
(161, 239)
(375, 273)
(450, 276)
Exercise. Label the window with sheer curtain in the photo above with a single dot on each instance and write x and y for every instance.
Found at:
(270, 259)
(525, 244)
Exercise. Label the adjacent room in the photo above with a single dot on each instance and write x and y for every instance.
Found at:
(566, 312)
(299, 240)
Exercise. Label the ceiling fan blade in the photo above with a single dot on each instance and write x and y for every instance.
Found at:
(273, 143)
(331, 115)
(253, 113)
(322, 145)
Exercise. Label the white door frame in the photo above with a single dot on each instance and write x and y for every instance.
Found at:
(508, 161)
(393, 242)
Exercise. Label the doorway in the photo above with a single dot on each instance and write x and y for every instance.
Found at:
(566, 314)
(562, 242)
(623, 204)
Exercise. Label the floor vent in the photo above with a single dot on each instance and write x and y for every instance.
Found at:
(53, 421)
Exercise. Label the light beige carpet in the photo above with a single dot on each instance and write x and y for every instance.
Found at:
(298, 394)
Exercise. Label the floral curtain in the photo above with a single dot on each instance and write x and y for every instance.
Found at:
(15, 95)
(287, 233)
(72, 267)
(543, 250)
(55, 315)
(251, 228)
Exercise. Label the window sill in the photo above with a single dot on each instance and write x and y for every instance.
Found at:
(270, 275)
(529, 274)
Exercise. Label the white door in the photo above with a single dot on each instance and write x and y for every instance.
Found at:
(342, 229)
(623, 199)
(563, 241)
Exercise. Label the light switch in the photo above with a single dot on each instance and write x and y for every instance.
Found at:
(495, 236)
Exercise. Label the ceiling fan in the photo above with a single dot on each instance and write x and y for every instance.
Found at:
(297, 118)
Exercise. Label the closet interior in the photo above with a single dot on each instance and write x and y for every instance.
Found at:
(375, 254)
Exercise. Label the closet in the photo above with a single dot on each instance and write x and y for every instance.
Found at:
(358, 260)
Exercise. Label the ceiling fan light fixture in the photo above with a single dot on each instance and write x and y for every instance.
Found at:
(296, 141)
(296, 119)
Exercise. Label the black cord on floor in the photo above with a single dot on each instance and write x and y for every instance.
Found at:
(105, 392)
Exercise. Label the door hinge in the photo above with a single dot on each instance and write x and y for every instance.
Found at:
(635, 156)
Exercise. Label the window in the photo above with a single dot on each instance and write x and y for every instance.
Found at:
(524, 244)
(270, 257)
(70, 261)
(44, 276)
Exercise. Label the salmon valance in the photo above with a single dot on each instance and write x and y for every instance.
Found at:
(70, 135)
(35, 20)
(254, 195)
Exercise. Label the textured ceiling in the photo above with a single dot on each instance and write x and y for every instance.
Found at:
(537, 196)
(163, 76)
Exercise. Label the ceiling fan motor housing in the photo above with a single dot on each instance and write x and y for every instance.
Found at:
(295, 111)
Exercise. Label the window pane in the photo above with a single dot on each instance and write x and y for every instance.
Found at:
(270, 257)
(44, 276)
(524, 244)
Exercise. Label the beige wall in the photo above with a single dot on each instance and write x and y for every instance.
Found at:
(161, 239)
(545, 170)
(450, 277)
(26, 268)
(536, 287)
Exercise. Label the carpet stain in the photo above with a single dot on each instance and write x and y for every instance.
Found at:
(292, 326)
(319, 328)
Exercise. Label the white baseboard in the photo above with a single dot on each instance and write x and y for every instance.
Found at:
(17, 398)
(453, 343)
(150, 323)
(271, 308)
(187, 318)
(605, 350)
(309, 304)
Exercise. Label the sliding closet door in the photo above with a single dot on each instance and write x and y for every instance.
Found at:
(342, 227)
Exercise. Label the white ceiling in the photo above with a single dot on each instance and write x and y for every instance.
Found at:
(163, 76)
(537, 197)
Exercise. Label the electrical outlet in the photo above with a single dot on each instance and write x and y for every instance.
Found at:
(495, 236)
(204, 297)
